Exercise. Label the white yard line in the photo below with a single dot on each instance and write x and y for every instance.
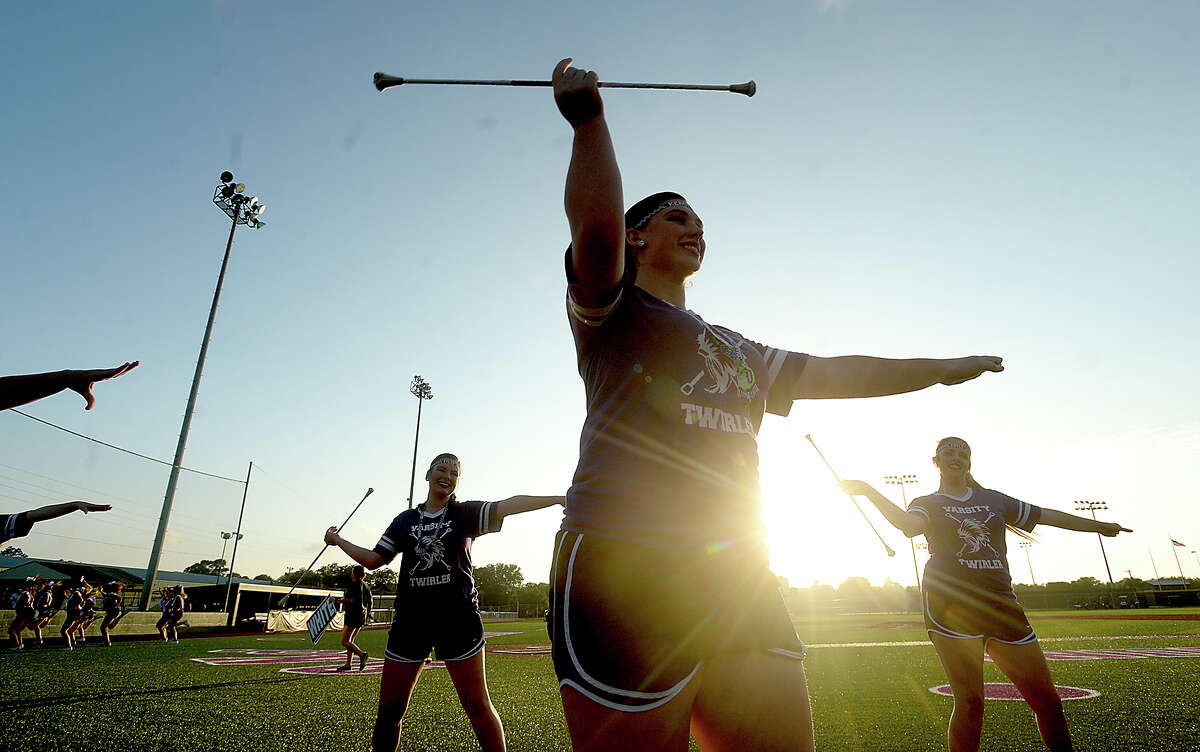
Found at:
(909, 643)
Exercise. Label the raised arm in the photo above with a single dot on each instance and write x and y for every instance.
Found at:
(365, 556)
(865, 376)
(1055, 518)
(908, 523)
(20, 390)
(593, 198)
(519, 504)
(58, 510)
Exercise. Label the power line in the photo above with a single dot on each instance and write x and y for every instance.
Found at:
(126, 451)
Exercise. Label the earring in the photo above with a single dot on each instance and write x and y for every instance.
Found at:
(640, 243)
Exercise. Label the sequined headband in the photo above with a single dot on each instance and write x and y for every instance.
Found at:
(954, 444)
(661, 207)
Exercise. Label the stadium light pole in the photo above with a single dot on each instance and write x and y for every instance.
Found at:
(238, 537)
(230, 198)
(421, 390)
(902, 481)
(221, 567)
(1027, 545)
(1092, 506)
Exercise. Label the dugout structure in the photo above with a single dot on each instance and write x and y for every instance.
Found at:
(250, 603)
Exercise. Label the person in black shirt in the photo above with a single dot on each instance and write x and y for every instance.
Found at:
(356, 600)
(112, 609)
(437, 605)
(666, 616)
(967, 594)
(26, 613)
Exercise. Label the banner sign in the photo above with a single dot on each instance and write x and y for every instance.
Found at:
(320, 618)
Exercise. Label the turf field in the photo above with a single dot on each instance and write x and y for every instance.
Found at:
(145, 695)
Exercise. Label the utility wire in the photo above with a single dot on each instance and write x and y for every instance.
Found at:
(126, 451)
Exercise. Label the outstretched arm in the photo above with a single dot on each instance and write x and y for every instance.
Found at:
(365, 556)
(519, 504)
(908, 523)
(20, 390)
(58, 510)
(865, 376)
(1055, 518)
(593, 198)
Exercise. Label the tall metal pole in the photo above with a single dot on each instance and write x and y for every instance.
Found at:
(902, 481)
(419, 389)
(237, 537)
(221, 567)
(412, 478)
(1092, 506)
(173, 480)
(1027, 545)
(1176, 555)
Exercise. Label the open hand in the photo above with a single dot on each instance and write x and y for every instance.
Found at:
(857, 487)
(577, 93)
(1110, 529)
(82, 381)
(965, 369)
(87, 506)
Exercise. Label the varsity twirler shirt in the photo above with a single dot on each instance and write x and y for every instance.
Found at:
(435, 552)
(668, 455)
(966, 538)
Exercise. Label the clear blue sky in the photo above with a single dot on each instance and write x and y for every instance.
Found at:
(931, 179)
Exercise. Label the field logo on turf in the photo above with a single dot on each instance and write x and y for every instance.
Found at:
(1000, 691)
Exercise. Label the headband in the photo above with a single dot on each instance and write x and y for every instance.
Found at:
(661, 207)
(952, 444)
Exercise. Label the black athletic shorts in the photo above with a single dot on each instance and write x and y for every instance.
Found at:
(28, 614)
(973, 614)
(355, 618)
(455, 633)
(630, 625)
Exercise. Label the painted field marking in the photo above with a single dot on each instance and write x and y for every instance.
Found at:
(999, 691)
(329, 660)
(915, 643)
(1120, 653)
(524, 650)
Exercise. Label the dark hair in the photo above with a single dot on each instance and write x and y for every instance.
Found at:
(636, 217)
(451, 456)
(358, 571)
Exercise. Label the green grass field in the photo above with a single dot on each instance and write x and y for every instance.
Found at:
(145, 695)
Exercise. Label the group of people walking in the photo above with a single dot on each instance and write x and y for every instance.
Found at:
(665, 618)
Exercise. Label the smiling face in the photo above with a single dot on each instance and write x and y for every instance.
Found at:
(443, 475)
(671, 243)
(953, 460)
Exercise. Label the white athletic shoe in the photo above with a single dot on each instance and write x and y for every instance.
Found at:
(174, 642)
(68, 648)
(16, 647)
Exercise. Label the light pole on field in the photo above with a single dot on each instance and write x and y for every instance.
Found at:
(902, 481)
(230, 198)
(236, 537)
(1092, 506)
(421, 390)
(1027, 545)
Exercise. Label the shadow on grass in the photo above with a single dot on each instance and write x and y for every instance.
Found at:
(52, 700)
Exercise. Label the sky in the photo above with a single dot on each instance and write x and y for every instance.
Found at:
(920, 179)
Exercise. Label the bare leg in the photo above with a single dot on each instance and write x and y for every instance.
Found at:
(470, 681)
(348, 634)
(1026, 666)
(963, 662)
(395, 691)
(754, 700)
(596, 728)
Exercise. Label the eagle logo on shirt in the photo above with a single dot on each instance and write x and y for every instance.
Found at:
(974, 534)
(429, 549)
(726, 364)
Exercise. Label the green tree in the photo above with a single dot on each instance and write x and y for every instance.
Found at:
(292, 577)
(534, 598)
(496, 584)
(215, 567)
(381, 581)
(335, 576)
(266, 577)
